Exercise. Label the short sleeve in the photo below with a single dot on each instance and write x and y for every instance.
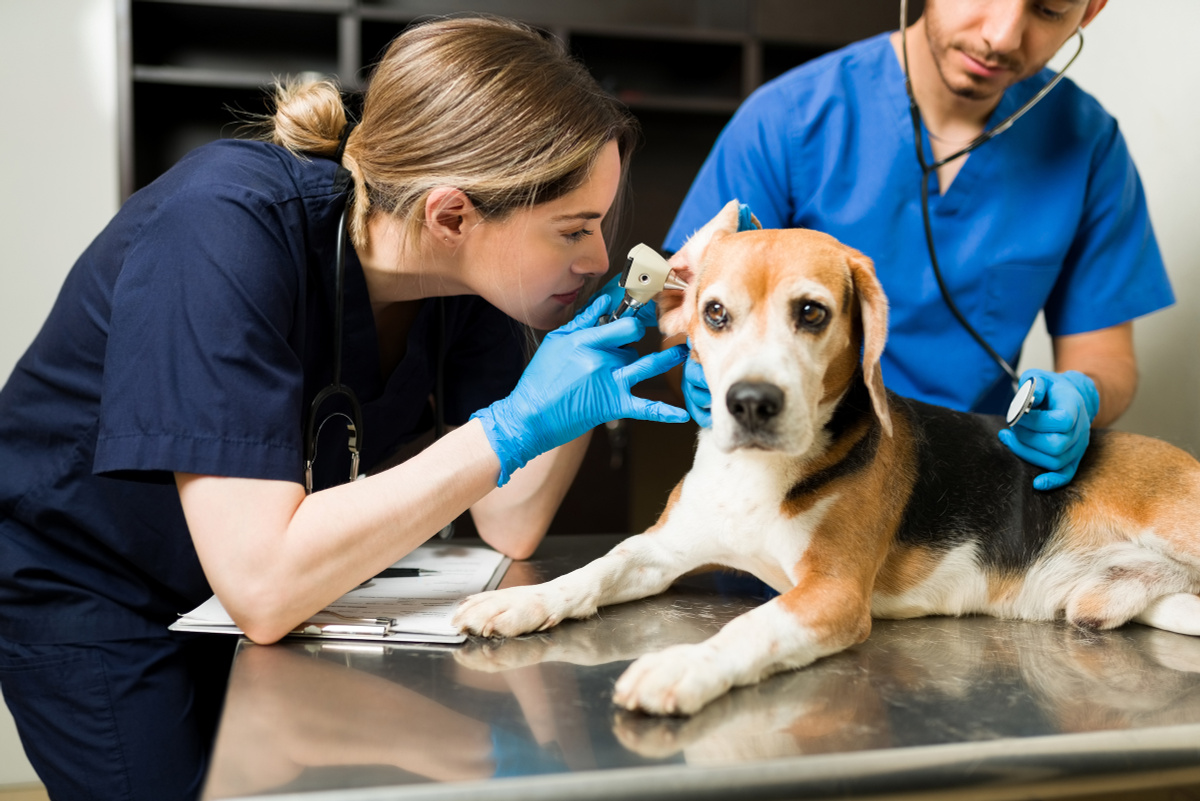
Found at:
(484, 360)
(1114, 271)
(201, 374)
(749, 163)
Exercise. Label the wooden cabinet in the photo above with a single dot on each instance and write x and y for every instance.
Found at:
(682, 66)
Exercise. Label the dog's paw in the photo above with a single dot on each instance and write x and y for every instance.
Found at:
(508, 612)
(650, 737)
(677, 681)
(495, 656)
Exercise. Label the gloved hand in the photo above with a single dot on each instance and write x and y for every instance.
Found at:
(648, 313)
(696, 395)
(1054, 433)
(579, 378)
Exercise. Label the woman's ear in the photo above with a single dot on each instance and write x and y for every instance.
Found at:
(449, 214)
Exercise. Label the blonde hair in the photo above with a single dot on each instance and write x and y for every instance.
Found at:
(486, 105)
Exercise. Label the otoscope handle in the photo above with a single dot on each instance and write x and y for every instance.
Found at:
(627, 304)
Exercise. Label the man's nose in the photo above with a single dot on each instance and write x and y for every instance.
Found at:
(1004, 25)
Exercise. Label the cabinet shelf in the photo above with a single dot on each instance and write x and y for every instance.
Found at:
(217, 78)
(688, 105)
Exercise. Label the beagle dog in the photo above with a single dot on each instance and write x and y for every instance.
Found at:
(855, 503)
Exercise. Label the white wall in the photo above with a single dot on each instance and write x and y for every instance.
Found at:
(59, 140)
(1136, 62)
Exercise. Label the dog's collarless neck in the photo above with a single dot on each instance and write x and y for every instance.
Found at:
(854, 404)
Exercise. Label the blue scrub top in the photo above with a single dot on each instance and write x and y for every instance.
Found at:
(1050, 214)
(191, 336)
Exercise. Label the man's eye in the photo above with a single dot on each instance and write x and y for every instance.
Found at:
(810, 315)
(715, 315)
(1049, 13)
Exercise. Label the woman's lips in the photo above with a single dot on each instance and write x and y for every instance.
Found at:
(567, 298)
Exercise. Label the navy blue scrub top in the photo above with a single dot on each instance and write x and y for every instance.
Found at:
(191, 336)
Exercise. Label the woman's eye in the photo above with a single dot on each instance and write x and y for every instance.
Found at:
(810, 315)
(715, 315)
(577, 236)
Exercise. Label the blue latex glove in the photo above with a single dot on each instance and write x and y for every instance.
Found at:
(520, 755)
(745, 218)
(697, 397)
(1054, 433)
(648, 313)
(579, 378)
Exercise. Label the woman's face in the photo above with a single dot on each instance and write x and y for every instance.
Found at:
(533, 264)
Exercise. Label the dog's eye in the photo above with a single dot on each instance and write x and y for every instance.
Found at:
(810, 315)
(715, 315)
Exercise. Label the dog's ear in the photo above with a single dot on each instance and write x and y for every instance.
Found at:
(874, 308)
(676, 306)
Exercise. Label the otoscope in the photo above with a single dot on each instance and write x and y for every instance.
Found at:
(646, 274)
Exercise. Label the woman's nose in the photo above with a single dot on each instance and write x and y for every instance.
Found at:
(594, 261)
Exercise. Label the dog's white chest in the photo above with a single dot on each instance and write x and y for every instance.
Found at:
(731, 507)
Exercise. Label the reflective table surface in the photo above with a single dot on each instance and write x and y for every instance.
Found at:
(927, 708)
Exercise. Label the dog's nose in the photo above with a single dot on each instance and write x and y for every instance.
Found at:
(754, 403)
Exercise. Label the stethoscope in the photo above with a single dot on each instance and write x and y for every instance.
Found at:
(354, 420)
(1023, 394)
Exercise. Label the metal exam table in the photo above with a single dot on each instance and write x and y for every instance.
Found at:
(929, 708)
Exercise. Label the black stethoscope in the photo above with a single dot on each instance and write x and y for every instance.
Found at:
(354, 420)
(1024, 393)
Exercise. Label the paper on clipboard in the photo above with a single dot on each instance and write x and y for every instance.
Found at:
(421, 607)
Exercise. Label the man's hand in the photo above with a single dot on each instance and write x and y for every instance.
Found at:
(1055, 432)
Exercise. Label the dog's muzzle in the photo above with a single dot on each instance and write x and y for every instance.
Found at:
(754, 405)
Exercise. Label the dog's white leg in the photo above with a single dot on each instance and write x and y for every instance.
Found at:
(642, 565)
(1179, 612)
(766, 640)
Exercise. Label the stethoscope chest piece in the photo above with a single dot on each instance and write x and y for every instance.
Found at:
(1021, 402)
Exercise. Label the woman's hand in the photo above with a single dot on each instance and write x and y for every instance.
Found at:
(580, 377)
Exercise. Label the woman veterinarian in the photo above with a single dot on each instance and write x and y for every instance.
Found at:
(153, 437)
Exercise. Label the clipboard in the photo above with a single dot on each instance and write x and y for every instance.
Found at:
(402, 608)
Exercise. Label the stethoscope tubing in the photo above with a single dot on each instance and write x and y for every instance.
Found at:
(928, 168)
(354, 421)
(354, 424)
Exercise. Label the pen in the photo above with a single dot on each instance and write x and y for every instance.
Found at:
(404, 572)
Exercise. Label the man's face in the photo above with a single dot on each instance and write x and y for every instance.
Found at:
(981, 47)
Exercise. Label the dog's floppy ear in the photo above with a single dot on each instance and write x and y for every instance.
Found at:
(675, 306)
(873, 306)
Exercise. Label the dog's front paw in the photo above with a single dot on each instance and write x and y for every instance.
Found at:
(508, 612)
(494, 656)
(677, 681)
(650, 737)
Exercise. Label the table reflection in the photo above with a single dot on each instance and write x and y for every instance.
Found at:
(308, 715)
